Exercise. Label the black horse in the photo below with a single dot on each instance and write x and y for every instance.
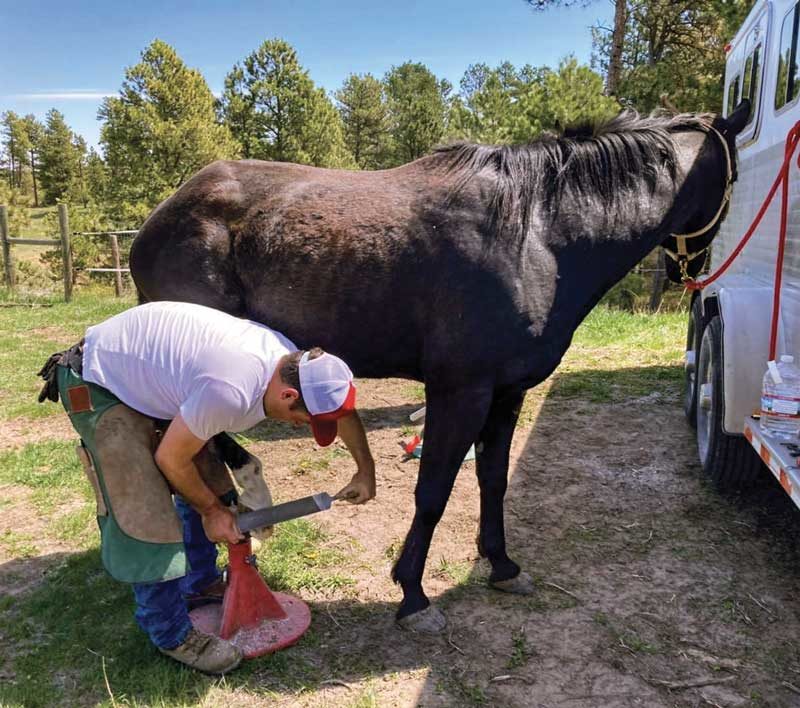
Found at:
(468, 269)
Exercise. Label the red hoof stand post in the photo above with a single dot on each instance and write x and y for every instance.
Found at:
(251, 616)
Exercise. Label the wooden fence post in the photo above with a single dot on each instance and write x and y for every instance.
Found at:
(117, 274)
(66, 250)
(9, 277)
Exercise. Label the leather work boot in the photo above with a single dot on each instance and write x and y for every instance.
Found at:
(206, 653)
(209, 594)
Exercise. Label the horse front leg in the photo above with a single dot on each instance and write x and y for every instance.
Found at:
(494, 444)
(453, 420)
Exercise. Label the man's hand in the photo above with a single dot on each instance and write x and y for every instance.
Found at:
(361, 488)
(219, 523)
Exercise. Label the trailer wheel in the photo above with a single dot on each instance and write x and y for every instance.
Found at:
(728, 460)
(694, 335)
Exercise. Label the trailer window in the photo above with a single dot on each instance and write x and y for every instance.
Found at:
(788, 84)
(733, 95)
(751, 81)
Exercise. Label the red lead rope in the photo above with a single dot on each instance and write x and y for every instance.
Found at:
(792, 140)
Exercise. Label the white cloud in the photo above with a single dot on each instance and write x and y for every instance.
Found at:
(60, 95)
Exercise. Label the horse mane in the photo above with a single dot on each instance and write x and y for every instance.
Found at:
(604, 162)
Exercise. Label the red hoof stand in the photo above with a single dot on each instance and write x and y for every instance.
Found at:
(251, 616)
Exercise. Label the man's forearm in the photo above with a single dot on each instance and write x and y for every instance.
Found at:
(352, 433)
(186, 481)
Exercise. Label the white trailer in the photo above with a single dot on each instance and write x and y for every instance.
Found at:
(729, 323)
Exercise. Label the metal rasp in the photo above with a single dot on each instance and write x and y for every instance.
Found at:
(268, 516)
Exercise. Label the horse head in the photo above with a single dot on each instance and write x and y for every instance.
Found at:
(687, 251)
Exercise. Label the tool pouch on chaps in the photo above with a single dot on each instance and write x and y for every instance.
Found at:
(142, 535)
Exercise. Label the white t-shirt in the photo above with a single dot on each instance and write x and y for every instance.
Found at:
(165, 358)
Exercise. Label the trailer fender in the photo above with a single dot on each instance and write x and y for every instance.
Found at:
(746, 315)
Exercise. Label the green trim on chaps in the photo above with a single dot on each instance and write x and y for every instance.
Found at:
(126, 557)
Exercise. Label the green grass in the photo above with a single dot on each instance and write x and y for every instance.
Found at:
(299, 556)
(58, 637)
(521, 650)
(651, 334)
(51, 472)
(616, 356)
(37, 224)
(18, 545)
(51, 465)
(79, 618)
(319, 460)
(457, 572)
(79, 622)
(415, 392)
(33, 331)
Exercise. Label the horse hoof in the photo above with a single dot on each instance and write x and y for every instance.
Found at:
(431, 620)
(481, 551)
(522, 584)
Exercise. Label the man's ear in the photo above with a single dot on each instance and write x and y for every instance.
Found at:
(289, 393)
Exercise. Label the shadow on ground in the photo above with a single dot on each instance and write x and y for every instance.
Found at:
(643, 573)
(373, 418)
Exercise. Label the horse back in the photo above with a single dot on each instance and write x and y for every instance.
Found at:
(381, 268)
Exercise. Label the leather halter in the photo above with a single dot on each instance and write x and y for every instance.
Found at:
(682, 256)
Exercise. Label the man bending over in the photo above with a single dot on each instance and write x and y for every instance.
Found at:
(151, 392)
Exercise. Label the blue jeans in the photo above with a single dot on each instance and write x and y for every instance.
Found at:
(161, 607)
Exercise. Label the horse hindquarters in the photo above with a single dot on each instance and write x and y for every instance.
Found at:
(187, 259)
(453, 420)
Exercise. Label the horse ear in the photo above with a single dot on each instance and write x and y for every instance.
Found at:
(738, 119)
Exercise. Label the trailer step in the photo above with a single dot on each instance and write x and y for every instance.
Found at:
(782, 462)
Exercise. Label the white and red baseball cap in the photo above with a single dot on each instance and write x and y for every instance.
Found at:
(326, 384)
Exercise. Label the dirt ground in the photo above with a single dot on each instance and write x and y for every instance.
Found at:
(652, 588)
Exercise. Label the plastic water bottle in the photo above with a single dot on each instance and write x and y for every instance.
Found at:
(780, 400)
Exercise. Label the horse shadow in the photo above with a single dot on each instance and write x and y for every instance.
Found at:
(85, 619)
(375, 418)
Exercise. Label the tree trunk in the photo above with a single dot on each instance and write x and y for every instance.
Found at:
(617, 40)
(83, 186)
(13, 164)
(659, 281)
(33, 174)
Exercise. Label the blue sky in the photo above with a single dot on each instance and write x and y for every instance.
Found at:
(68, 55)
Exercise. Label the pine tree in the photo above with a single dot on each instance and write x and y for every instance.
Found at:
(483, 111)
(418, 107)
(96, 177)
(58, 159)
(365, 115)
(509, 105)
(673, 48)
(322, 134)
(16, 144)
(275, 112)
(159, 131)
(554, 100)
(35, 132)
(79, 191)
(237, 110)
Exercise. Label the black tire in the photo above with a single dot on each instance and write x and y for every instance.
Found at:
(694, 336)
(728, 460)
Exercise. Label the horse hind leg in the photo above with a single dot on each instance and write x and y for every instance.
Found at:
(452, 423)
(246, 469)
(494, 444)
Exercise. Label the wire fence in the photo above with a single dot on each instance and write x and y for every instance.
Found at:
(64, 242)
